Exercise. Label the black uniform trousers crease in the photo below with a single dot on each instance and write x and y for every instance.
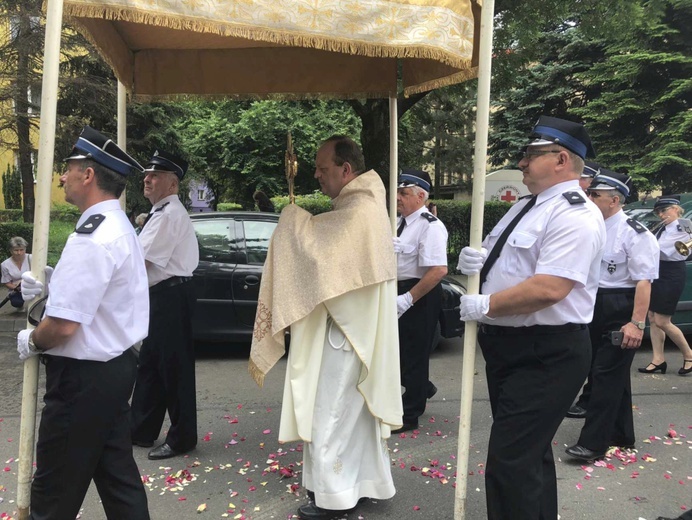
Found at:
(532, 381)
(609, 409)
(85, 433)
(416, 330)
(166, 373)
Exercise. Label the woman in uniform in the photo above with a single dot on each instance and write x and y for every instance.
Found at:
(667, 289)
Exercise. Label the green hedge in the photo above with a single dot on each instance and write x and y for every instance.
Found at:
(228, 206)
(64, 213)
(456, 216)
(11, 215)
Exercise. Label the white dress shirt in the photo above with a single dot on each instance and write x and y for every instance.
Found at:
(169, 241)
(100, 282)
(424, 244)
(554, 238)
(629, 256)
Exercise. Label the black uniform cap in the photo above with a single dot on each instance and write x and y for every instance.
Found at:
(610, 180)
(573, 136)
(409, 177)
(93, 145)
(664, 202)
(167, 162)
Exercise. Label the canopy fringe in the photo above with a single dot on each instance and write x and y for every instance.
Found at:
(280, 37)
(275, 96)
(256, 373)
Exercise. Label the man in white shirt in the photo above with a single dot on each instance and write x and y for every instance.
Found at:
(166, 374)
(421, 247)
(97, 309)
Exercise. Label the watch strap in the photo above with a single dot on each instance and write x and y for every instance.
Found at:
(641, 325)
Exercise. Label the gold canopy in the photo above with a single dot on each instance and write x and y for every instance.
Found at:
(281, 48)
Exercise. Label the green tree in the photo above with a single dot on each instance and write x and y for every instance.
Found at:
(549, 85)
(12, 188)
(20, 67)
(239, 147)
(642, 121)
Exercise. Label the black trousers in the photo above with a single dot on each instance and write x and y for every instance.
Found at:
(166, 373)
(532, 381)
(609, 419)
(416, 331)
(84, 434)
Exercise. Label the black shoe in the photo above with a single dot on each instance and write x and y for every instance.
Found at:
(405, 428)
(576, 412)
(582, 453)
(310, 511)
(164, 451)
(684, 370)
(432, 389)
(142, 444)
(654, 368)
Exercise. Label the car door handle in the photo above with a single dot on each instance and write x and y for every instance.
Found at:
(252, 280)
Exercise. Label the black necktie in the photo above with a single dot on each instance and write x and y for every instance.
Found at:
(401, 227)
(660, 231)
(147, 220)
(495, 252)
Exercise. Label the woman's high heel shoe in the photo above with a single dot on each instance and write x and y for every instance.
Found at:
(662, 367)
(685, 370)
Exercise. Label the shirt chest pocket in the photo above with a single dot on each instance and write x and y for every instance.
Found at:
(520, 254)
(612, 259)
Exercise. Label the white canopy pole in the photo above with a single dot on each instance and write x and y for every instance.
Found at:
(122, 131)
(393, 157)
(477, 205)
(39, 251)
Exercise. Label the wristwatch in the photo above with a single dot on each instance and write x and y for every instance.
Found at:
(32, 346)
(641, 325)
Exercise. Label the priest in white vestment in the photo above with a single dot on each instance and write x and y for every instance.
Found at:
(331, 278)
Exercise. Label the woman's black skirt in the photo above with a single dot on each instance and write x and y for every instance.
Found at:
(667, 289)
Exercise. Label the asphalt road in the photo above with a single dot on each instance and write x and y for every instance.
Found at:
(240, 471)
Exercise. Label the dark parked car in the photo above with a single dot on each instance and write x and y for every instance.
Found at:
(232, 249)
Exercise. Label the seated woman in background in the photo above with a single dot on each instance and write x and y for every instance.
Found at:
(12, 269)
(667, 289)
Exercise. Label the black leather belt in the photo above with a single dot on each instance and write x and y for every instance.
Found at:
(170, 282)
(405, 285)
(616, 290)
(496, 330)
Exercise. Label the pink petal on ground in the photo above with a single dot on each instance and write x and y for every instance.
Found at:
(240, 407)
(182, 499)
(579, 486)
(416, 508)
(267, 431)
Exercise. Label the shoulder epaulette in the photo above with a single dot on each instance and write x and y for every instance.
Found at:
(428, 216)
(637, 226)
(160, 208)
(574, 197)
(90, 224)
(685, 225)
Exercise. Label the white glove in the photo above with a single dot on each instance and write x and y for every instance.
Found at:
(23, 348)
(48, 272)
(403, 303)
(471, 260)
(472, 307)
(31, 287)
(402, 247)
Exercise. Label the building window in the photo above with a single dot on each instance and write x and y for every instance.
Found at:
(201, 194)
